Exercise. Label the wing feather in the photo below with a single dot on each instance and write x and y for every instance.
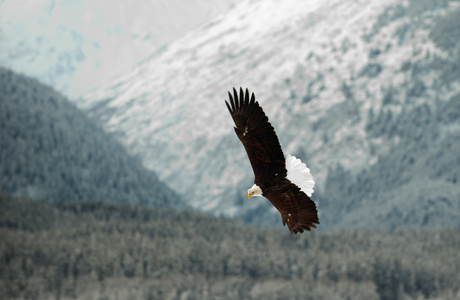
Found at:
(297, 210)
(257, 135)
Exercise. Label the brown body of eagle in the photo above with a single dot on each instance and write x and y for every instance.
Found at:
(259, 139)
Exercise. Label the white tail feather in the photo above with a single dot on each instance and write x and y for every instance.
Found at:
(299, 174)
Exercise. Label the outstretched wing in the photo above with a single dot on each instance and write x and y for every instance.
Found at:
(297, 210)
(257, 135)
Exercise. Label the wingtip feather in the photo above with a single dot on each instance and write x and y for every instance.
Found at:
(246, 97)
(229, 108)
(231, 102)
(235, 96)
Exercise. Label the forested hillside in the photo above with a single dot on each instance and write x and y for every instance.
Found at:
(84, 250)
(51, 151)
(415, 184)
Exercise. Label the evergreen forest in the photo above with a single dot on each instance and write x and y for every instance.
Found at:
(87, 250)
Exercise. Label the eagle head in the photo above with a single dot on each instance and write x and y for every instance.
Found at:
(255, 190)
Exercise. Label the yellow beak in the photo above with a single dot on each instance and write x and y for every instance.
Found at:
(249, 195)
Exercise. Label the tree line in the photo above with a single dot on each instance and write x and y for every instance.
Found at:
(85, 250)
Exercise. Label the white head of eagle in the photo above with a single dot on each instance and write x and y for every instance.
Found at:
(255, 190)
(286, 183)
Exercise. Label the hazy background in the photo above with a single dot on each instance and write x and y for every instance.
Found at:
(121, 176)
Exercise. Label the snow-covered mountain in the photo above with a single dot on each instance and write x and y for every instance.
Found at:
(77, 45)
(322, 70)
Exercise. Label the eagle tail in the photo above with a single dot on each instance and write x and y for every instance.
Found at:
(299, 174)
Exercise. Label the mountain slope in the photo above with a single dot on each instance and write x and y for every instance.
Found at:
(51, 151)
(320, 69)
(75, 46)
(415, 184)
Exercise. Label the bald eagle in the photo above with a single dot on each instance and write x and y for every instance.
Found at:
(286, 183)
